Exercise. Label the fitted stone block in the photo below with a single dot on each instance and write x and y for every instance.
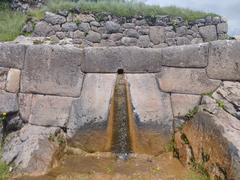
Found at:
(224, 60)
(8, 102)
(50, 110)
(13, 80)
(189, 81)
(148, 101)
(25, 103)
(3, 77)
(52, 70)
(183, 103)
(131, 59)
(93, 105)
(186, 56)
(12, 55)
(157, 35)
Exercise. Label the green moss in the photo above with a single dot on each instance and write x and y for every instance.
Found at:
(220, 104)
(11, 23)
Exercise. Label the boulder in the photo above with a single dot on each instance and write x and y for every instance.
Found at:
(188, 81)
(186, 56)
(222, 28)
(127, 41)
(53, 70)
(132, 33)
(224, 61)
(69, 27)
(130, 59)
(208, 33)
(85, 27)
(157, 35)
(93, 37)
(54, 18)
(112, 27)
(43, 29)
(30, 150)
(144, 42)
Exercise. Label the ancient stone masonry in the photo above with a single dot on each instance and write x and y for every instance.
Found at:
(52, 90)
(104, 29)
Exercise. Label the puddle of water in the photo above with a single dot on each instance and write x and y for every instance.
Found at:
(104, 166)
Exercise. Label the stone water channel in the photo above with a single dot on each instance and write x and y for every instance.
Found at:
(127, 152)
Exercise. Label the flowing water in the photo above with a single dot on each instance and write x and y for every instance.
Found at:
(127, 148)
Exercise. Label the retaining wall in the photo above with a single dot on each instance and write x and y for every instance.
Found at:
(67, 88)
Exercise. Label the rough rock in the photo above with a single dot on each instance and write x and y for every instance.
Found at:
(93, 37)
(222, 28)
(92, 107)
(192, 81)
(50, 111)
(43, 29)
(78, 35)
(208, 33)
(30, 150)
(54, 18)
(85, 27)
(116, 36)
(144, 42)
(182, 41)
(112, 27)
(183, 103)
(186, 56)
(9, 103)
(70, 27)
(12, 55)
(129, 59)
(157, 35)
(53, 70)
(224, 61)
(25, 103)
(132, 33)
(13, 80)
(127, 41)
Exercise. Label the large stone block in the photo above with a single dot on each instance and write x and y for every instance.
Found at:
(50, 110)
(152, 113)
(8, 102)
(52, 70)
(186, 56)
(88, 121)
(183, 103)
(224, 60)
(13, 80)
(3, 77)
(93, 105)
(25, 103)
(12, 55)
(130, 59)
(189, 81)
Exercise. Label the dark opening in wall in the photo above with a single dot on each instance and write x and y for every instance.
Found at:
(120, 71)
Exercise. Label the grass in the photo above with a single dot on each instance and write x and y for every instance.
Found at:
(127, 9)
(4, 168)
(11, 23)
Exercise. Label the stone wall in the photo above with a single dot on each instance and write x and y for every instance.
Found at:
(104, 29)
(56, 89)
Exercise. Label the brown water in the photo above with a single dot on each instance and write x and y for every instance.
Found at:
(108, 153)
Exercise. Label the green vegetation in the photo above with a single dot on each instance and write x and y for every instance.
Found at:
(4, 168)
(127, 9)
(192, 112)
(11, 22)
(220, 104)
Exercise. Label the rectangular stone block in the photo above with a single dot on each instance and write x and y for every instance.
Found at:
(152, 114)
(52, 70)
(186, 56)
(3, 77)
(13, 80)
(183, 103)
(12, 55)
(93, 105)
(130, 59)
(8, 102)
(50, 110)
(224, 60)
(188, 81)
